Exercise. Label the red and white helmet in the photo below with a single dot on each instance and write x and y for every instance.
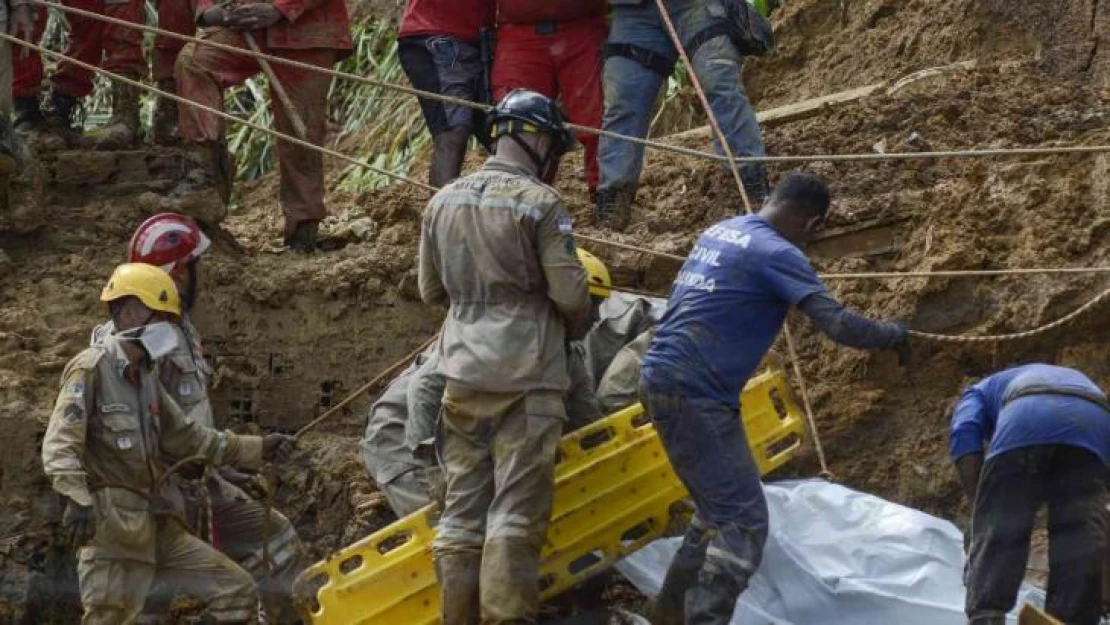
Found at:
(169, 241)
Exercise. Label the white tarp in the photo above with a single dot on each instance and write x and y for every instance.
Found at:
(835, 555)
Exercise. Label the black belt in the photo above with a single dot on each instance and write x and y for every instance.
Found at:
(1094, 398)
(650, 59)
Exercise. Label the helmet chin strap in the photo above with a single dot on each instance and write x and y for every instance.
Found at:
(540, 163)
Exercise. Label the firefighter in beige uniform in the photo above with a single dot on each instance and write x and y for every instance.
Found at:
(497, 245)
(217, 506)
(103, 451)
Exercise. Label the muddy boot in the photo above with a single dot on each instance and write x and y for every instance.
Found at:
(458, 599)
(28, 115)
(756, 186)
(682, 574)
(11, 148)
(712, 600)
(122, 130)
(164, 127)
(614, 207)
(510, 587)
(61, 123)
(302, 236)
(213, 168)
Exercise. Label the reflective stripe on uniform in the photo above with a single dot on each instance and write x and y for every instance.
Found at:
(726, 557)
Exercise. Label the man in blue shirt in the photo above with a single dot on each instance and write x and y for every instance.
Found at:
(1045, 433)
(727, 306)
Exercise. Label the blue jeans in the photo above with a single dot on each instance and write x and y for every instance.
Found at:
(709, 451)
(631, 89)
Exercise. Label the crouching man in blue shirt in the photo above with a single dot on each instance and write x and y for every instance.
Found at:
(726, 308)
(1045, 432)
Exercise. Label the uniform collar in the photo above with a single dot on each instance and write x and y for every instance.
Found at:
(120, 361)
(496, 163)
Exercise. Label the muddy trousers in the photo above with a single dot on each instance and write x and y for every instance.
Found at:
(203, 73)
(708, 448)
(500, 472)
(238, 523)
(114, 48)
(1072, 482)
(113, 590)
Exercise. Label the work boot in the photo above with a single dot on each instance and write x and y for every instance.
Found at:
(164, 126)
(61, 122)
(11, 148)
(989, 619)
(122, 129)
(682, 574)
(614, 207)
(712, 600)
(510, 587)
(302, 238)
(28, 115)
(458, 575)
(756, 186)
(216, 168)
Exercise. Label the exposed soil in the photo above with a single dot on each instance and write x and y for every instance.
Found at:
(290, 335)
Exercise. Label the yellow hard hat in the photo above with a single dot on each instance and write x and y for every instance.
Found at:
(153, 286)
(597, 274)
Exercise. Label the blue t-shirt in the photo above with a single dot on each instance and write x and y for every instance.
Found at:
(726, 308)
(983, 414)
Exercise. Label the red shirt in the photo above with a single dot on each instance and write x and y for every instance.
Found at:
(454, 18)
(536, 11)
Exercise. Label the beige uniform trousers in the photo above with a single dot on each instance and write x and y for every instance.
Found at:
(498, 454)
(113, 591)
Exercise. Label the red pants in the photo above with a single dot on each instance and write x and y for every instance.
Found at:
(176, 16)
(567, 64)
(203, 72)
(113, 48)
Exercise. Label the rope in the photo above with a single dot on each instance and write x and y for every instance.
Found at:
(658, 145)
(723, 141)
(221, 114)
(1017, 336)
(392, 369)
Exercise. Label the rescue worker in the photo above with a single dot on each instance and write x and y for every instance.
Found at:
(103, 451)
(639, 57)
(216, 502)
(400, 467)
(177, 16)
(398, 447)
(727, 305)
(114, 48)
(554, 48)
(18, 20)
(498, 247)
(1025, 437)
(438, 47)
(313, 32)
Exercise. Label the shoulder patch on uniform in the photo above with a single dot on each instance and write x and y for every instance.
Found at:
(74, 412)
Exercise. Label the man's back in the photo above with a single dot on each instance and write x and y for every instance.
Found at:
(1034, 404)
(727, 306)
(497, 246)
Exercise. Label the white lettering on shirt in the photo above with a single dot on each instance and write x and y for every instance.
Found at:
(696, 281)
(728, 235)
(706, 255)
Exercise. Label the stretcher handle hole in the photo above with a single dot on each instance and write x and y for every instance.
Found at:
(778, 404)
(394, 541)
(783, 445)
(584, 563)
(596, 439)
(641, 420)
(546, 582)
(350, 565)
(636, 532)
